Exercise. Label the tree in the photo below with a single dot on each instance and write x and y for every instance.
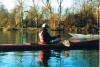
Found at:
(19, 13)
(3, 16)
(60, 10)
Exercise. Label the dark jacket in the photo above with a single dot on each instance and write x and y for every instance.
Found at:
(45, 38)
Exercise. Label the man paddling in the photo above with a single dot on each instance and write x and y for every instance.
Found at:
(45, 38)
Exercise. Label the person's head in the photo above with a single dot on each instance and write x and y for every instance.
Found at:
(45, 26)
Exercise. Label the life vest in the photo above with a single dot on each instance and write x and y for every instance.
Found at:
(41, 38)
(40, 57)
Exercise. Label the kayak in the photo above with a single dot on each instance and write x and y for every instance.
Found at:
(70, 45)
(84, 36)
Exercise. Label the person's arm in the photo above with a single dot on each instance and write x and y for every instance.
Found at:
(56, 39)
(47, 37)
(51, 39)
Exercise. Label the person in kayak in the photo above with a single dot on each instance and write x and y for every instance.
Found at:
(45, 38)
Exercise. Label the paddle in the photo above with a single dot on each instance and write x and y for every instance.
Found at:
(61, 40)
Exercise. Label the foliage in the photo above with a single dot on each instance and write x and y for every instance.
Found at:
(3, 16)
(35, 16)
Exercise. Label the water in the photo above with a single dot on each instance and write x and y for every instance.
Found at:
(17, 37)
(72, 58)
(31, 37)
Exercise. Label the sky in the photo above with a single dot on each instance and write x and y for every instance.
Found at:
(10, 4)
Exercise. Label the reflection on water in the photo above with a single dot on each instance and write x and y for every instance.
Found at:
(17, 37)
(31, 37)
(72, 58)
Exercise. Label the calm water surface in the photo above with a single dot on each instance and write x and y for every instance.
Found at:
(17, 37)
(72, 58)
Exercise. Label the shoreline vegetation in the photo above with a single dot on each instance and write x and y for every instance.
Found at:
(68, 30)
(84, 19)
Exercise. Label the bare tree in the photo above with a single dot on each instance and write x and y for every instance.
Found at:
(19, 13)
(35, 9)
(60, 10)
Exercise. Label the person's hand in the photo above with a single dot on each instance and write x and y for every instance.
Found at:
(66, 43)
